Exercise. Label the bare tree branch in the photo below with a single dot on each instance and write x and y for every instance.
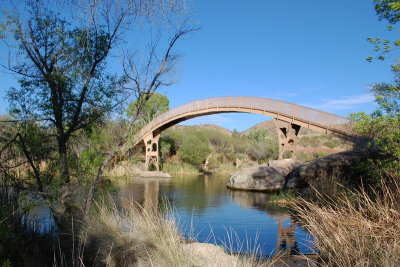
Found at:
(144, 94)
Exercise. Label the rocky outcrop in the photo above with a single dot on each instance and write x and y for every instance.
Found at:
(321, 173)
(267, 177)
(324, 172)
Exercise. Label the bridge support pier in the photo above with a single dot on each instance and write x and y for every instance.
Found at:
(152, 157)
(287, 137)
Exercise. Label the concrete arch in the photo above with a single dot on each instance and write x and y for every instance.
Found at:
(289, 117)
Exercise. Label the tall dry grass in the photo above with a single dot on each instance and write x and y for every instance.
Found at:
(359, 229)
(179, 168)
(140, 237)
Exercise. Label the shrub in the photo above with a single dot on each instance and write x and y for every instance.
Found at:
(195, 148)
(331, 144)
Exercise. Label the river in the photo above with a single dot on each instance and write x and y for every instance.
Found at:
(207, 210)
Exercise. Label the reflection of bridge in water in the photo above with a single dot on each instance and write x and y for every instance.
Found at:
(288, 117)
(286, 240)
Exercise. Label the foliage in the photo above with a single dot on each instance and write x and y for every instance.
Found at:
(388, 10)
(257, 135)
(331, 144)
(155, 106)
(61, 71)
(259, 145)
(382, 127)
(22, 241)
(165, 147)
(195, 148)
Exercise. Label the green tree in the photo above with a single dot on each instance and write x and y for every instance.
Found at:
(195, 148)
(155, 106)
(61, 73)
(60, 55)
(382, 127)
(388, 10)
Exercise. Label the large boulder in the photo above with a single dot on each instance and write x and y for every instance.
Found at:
(266, 177)
(324, 173)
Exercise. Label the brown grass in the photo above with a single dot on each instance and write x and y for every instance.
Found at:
(356, 230)
(139, 237)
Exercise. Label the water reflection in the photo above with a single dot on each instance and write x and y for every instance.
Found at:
(206, 207)
(259, 201)
(144, 191)
(286, 241)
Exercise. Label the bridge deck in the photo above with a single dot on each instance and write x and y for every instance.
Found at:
(280, 110)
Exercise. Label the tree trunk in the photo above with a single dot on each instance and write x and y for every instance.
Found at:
(62, 149)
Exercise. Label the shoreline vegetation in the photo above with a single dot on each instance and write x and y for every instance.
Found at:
(357, 228)
(61, 134)
(146, 237)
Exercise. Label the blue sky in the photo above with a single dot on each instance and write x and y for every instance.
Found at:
(306, 52)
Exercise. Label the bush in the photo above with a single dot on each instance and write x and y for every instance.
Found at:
(213, 163)
(195, 148)
(331, 144)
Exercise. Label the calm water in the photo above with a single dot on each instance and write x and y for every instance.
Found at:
(217, 214)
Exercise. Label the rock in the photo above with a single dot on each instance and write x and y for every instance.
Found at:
(323, 173)
(211, 255)
(263, 177)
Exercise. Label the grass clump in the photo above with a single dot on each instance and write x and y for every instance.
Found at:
(357, 230)
(141, 237)
(284, 197)
(179, 168)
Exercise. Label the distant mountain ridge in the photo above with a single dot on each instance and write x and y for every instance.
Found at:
(265, 125)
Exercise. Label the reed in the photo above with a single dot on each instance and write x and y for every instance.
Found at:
(358, 229)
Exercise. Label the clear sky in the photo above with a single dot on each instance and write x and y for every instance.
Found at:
(306, 52)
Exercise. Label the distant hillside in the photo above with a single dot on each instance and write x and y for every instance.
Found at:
(265, 125)
(214, 148)
(270, 126)
(205, 126)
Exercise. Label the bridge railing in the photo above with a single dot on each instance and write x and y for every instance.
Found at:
(306, 114)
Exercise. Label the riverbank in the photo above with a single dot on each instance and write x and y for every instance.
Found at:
(110, 228)
(147, 238)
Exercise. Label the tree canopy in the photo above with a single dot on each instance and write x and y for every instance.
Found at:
(61, 53)
(388, 10)
(155, 106)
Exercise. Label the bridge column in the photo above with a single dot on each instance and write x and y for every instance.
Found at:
(287, 137)
(152, 156)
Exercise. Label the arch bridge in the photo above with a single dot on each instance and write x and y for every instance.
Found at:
(288, 117)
